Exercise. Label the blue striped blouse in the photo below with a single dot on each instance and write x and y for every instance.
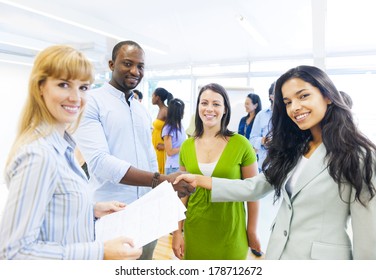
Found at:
(49, 213)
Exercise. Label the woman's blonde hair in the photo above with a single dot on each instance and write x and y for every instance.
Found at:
(59, 62)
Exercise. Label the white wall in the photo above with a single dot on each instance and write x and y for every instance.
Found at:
(13, 90)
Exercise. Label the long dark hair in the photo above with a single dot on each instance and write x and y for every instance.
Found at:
(163, 95)
(175, 114)
(224, 131)
(350, 154)
(255, 100)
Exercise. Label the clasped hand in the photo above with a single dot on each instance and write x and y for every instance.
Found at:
(182, 186)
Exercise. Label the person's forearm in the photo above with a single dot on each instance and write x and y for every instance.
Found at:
(180, 227)
(253, 211)
(204, 182)
(137, 177)
(173, 151)
(181, 223)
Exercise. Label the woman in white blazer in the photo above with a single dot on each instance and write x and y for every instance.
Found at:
(321, 166)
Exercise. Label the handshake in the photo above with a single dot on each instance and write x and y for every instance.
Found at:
(182, 182)
(183, 187)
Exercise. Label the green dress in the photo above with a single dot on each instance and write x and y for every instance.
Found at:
(216, 231)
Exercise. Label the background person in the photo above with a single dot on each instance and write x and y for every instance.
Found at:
(252, 106)
(191, 126)
(173, 134)
(261, 128)
(258, 138)
(138, 95)
(160, 97)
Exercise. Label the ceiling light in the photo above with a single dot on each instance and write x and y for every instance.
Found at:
(82, 26)
(251, 30)
(20, 46)
(15, 62)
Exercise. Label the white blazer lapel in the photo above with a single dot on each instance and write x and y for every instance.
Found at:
(315, 166)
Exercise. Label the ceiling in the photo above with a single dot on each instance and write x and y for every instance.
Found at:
(178, 33)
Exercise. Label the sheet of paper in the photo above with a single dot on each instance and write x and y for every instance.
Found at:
(150, 217)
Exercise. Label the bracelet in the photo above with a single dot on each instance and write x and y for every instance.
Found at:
(155, 180)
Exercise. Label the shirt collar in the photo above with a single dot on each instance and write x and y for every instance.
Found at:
(117, 93)
(61, 144)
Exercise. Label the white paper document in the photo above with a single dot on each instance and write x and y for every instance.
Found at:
(150, 217)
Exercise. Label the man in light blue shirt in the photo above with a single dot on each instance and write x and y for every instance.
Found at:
(260, 129)
(115, 136)
(258, 139)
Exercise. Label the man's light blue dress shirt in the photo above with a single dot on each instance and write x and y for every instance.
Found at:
(112, 137)
(261, 127)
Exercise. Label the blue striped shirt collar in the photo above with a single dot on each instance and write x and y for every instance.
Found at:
(61, 144)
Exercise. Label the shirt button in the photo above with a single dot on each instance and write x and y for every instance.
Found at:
(285, 233)
(290, 207)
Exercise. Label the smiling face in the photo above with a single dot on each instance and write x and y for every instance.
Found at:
(211, 109)
(305, 104)
(249, 106)
(127, 69)
(64, 99)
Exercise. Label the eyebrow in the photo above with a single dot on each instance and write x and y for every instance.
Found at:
(85, 83)
(215, 100)
(296, 93)
(132, 61)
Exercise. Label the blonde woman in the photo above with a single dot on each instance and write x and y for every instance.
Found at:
(49, 214)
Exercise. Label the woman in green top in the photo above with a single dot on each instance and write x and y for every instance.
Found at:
(216, 230)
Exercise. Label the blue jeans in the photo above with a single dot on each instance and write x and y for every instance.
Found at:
(169, 170)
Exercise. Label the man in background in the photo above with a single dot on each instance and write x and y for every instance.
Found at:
(259, 139)
(260, 129)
